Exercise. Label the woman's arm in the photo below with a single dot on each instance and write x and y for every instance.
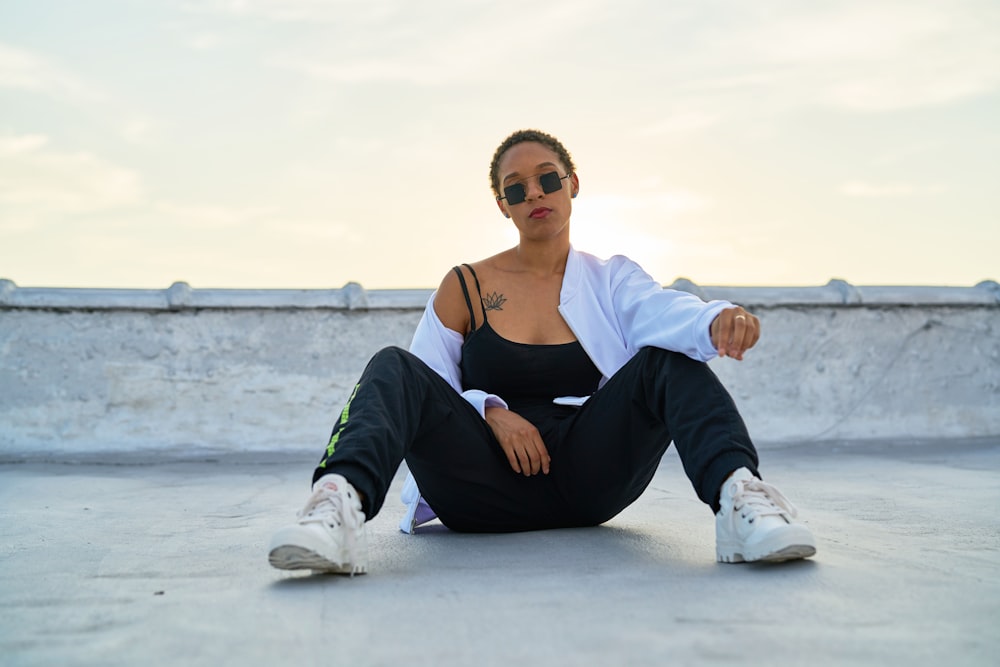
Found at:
(651, 316)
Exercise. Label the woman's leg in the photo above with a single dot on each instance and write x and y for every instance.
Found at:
(610, 450)
(401, 409)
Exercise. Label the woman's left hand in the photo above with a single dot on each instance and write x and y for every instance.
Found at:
(734, 331)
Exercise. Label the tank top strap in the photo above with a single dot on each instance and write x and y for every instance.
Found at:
(479, 290)
(468, 300)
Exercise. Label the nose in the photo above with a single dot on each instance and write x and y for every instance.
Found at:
(533, 188)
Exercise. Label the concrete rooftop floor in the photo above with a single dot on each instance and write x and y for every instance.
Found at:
(163, 563)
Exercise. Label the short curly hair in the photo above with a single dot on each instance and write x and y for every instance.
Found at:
(520, 137)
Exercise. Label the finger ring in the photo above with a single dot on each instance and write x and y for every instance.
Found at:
(741, 317)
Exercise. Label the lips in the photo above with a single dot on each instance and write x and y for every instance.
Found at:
(540, 212)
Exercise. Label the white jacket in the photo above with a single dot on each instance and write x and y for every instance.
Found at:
(612, 306)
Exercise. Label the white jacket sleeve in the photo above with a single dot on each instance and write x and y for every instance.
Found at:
(651, 316)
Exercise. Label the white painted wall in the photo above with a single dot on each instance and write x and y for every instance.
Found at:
(183, 371)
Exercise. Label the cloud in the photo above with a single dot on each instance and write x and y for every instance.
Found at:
(205, 41)
(295, 11)
(38, 180)
(138, 131)
(858, 189)
(17, 145)
(26, 71)
(883, 57)
(320, 230)
(660, 204)
(261, 221)
(360, 71)
(868, 190)
(207, 216)
(845, 32)
(683, 122)
(880, 56)
(435, 46)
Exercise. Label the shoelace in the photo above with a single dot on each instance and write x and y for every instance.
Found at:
(761, 499)
(329, 506)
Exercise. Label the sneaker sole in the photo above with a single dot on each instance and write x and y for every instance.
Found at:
(291, 557)
(791, 552)
(790, 542)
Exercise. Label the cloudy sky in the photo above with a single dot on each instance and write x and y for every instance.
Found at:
(308, 143)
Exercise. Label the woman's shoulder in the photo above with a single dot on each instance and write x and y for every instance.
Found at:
(449, 303)
(459, 287)
(467, 271)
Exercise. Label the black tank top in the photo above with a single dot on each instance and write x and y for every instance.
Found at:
(527, 376)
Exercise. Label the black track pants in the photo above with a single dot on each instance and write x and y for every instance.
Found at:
(604, 454)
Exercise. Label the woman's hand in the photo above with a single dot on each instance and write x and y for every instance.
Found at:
(734, 331)
(520, 441)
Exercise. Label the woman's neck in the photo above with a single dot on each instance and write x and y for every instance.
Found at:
(542, 258)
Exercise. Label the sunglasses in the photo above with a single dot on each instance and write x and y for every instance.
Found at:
(516, 193)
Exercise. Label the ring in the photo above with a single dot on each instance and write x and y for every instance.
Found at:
(740, 317)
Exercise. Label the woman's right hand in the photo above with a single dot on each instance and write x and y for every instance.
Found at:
(520, 440)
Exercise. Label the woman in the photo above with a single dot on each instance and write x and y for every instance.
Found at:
(541, 389)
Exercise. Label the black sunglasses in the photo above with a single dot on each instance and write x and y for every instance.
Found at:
(550, 182)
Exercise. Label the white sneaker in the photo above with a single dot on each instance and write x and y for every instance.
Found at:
(754, 523)
(329, 535)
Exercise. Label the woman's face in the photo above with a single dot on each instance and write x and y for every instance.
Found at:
(545, 210)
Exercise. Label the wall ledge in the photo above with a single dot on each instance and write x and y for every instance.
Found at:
(352, 296)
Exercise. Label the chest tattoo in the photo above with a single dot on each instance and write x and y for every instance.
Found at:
(494, 301)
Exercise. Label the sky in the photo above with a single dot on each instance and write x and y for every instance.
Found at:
(311, 143)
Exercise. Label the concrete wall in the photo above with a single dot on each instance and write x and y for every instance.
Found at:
(183, 371)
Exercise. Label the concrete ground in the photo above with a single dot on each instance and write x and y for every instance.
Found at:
(163, 563)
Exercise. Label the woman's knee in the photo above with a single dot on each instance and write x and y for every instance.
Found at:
(399, 365)
(658, 356)
(655, 358)
(389, 362)
(393, 356)
(675, 369)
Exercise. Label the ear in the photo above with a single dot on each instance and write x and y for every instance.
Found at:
(575, 188)
(502, 209)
